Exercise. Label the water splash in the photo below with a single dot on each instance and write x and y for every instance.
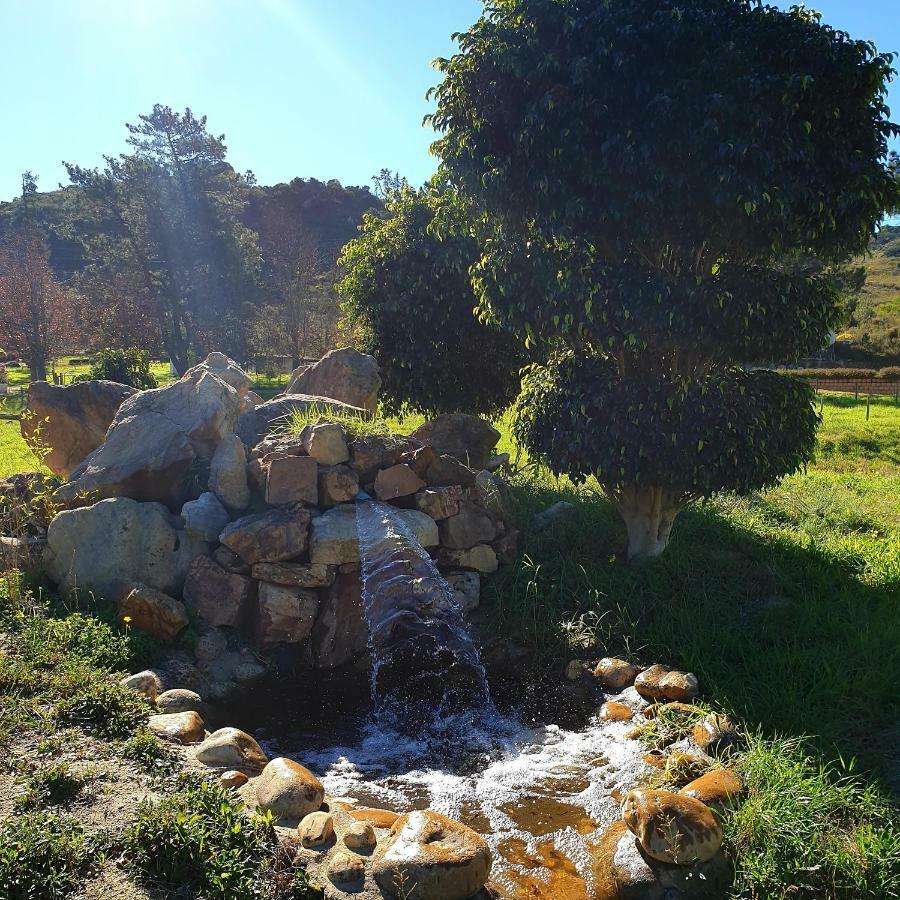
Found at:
(425, 666)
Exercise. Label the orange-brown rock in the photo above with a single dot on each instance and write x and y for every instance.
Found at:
(647, 682)
(290, 790)
(182, 728)
(613, 711)
(153, 612)
(378, 818)
(672, 827)
(360, 836)
(441, 857)
(715, 733)
(680, 686)
(716, 788)
(315, 830)
(615, 674)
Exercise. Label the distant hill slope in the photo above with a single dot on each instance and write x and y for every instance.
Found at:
(330, 211)
(875, 326)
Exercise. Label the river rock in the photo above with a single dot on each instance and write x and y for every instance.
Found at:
(325, 443)
(346, 868)
(109, 546)
(671, 827)
(715, 734)
(292, 479)
(231, 748)
(289, 790)
(337, 484)
(284, 614)
(179, 700)
(154, 439)
(227, 369)
(615, 674)
(69, 422)
(295, 574)
(271, 536)
(153, 612)
(470, 526)
(181, 727)
(205, 517)
(647, 682)
(679, 686)
(255, 424)
(340, 635)
(360, 836)
(439, 502)
(465, 588)
(397, 481)
(378, 818)
(447, 471)
(468, 438)
(216, 596)
(480, 558)
(146, 683)
(613, 711)
(228, 473)
(716, 788)
(345, 375)
(316, 830)
(232, 779)
(440, 857)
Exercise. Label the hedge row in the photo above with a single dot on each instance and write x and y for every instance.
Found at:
(889, 373)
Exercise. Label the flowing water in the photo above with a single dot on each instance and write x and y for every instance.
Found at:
(541, 795)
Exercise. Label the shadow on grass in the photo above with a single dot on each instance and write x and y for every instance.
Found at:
(794, 636)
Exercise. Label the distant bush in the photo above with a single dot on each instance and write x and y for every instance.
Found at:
(889, 373)
(131, 367)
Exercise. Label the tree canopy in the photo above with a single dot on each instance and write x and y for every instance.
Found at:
(645, 176)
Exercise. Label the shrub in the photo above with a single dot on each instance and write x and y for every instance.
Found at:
(131, 367)
(54, 785)
(44, 856)
(836, 373)
(889, 373)
(150, 752)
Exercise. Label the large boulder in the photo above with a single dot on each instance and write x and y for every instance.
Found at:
(106, 547)
(70, 422)
(254, 424)
(153, 440)
(442, 858)
(468, 438)
(345, 374)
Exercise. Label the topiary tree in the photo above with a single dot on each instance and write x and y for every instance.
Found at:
(408, 292)
(646, 175)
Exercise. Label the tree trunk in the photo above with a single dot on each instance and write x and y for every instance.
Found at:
(648, 512)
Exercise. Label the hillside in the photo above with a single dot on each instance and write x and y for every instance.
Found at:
(875, 325)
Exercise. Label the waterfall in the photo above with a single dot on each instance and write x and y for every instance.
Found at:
(425, 666)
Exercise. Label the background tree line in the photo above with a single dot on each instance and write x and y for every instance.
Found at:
(167, 247)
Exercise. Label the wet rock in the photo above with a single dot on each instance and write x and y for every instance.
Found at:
(715, 734)
(441, 857)
(107, 547)
(255, 424)
(470, 526)
(340, 635)
(467, 438)
(272, 536)
(672, 828)
(153, 440)
(397, 481)
(233, 779)
(574, 670)
(679, 686)
(227, 369)
(480, 558)
(205, 517)
(153, 612)
(377, 818)
(180, 727)
(70, 422)
(231, 748)
(447, 471)
(180, 700)
(295, 574)
(316, 830)
(292, 479)
(216, 596)
(284, 614)
(326, 443)
(337, 484)
(360, 836)
(289, 790)
(439, 502)
(146, 683)
(346, 868)
(465, 588)
(344, 374)
(647, 683)
(615, 674)
(553, 515)
(716, 788)
(613, 711)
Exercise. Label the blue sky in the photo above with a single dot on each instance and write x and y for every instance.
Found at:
(322, 88)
